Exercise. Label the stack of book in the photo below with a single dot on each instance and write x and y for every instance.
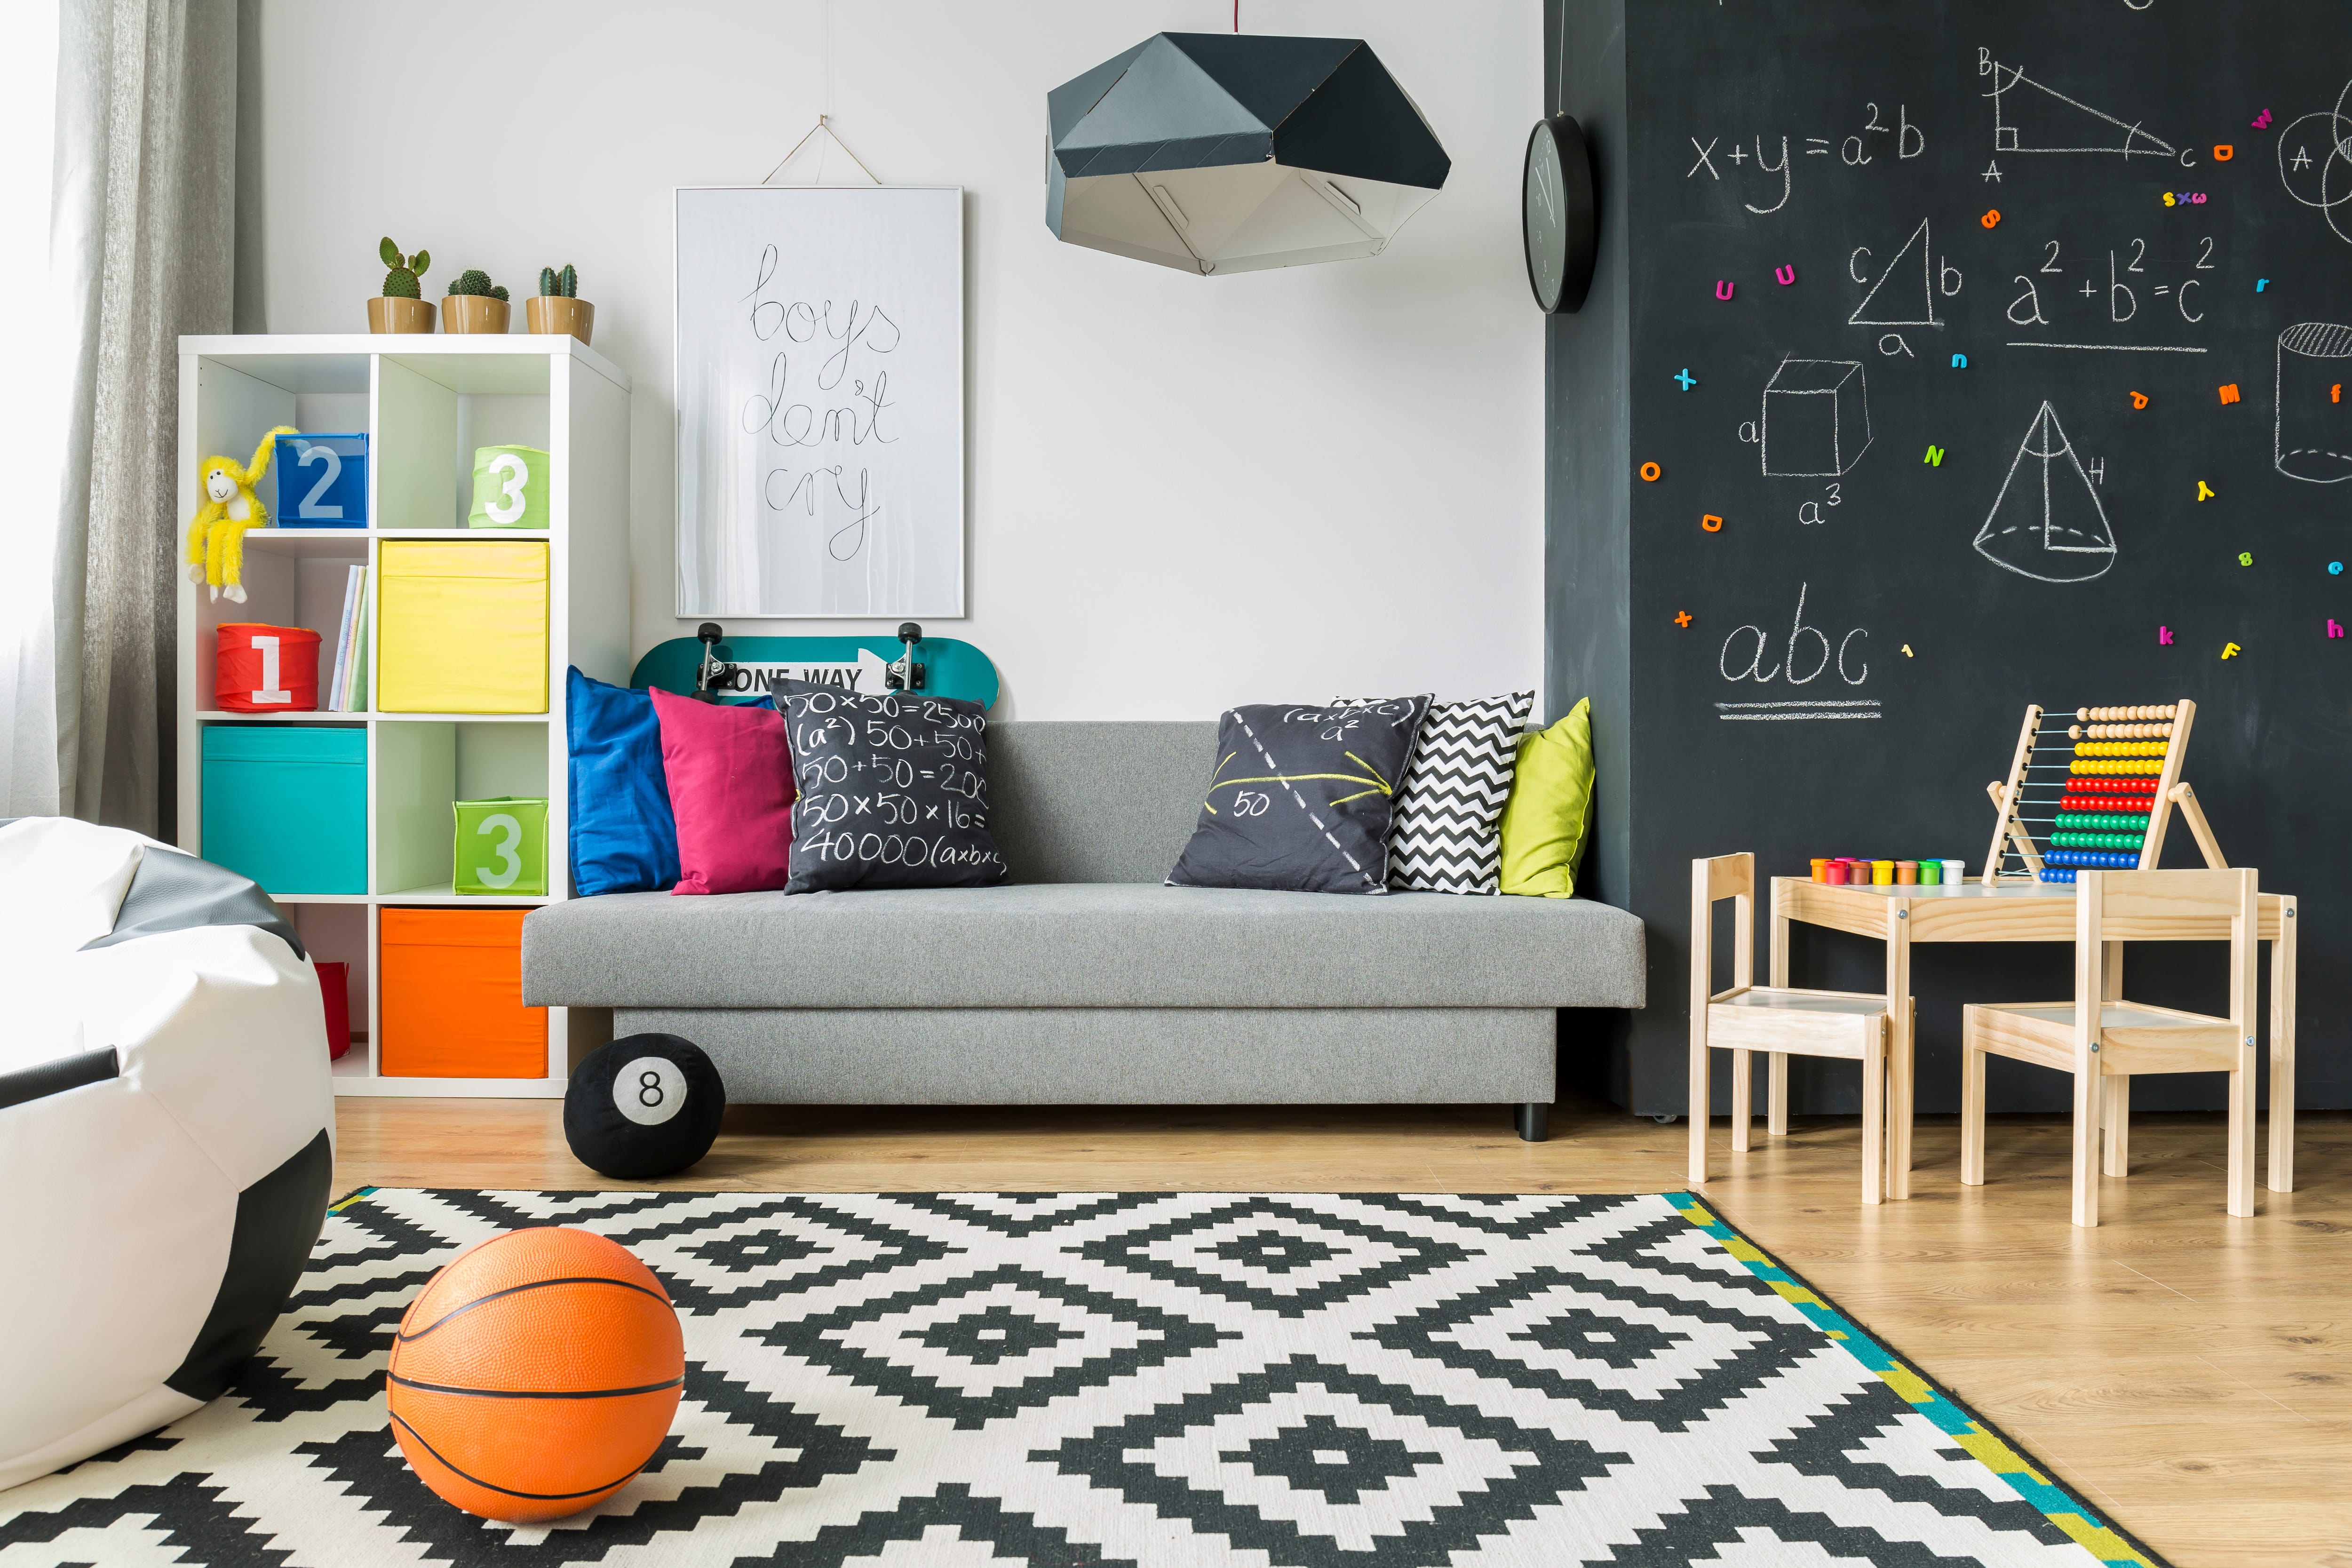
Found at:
(348, 694)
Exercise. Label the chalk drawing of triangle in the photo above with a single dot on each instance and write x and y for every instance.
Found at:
(2028, 116)
(2047, 523)
(1909, 292)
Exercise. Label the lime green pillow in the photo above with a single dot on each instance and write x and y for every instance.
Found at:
(1550, 808)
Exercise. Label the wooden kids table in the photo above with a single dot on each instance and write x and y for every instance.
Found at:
(2016, 911)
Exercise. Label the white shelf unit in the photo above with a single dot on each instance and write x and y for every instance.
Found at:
(426, 402)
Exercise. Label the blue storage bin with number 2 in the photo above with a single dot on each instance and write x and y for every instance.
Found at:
(322, 480)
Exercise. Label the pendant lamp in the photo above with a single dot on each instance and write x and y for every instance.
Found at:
(1217, 152)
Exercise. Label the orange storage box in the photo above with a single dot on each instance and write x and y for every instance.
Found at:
(451, 998)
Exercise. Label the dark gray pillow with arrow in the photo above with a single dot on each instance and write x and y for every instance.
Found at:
(1301, 798)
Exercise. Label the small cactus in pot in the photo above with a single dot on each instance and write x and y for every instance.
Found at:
(557, 307)
(474, 280)
(475, 304)
(402, 306)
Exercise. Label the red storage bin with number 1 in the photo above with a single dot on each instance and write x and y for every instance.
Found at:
(266, 669)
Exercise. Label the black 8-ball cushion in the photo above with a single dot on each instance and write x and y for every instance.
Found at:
(642, 1107)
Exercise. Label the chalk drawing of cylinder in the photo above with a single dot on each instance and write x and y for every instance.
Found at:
(2313, 439)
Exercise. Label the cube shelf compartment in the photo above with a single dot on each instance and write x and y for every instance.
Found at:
(425, 404)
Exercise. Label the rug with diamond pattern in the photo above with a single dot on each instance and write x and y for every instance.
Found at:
(1160, 1380)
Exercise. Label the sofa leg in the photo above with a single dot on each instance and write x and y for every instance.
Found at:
(1535, 1121)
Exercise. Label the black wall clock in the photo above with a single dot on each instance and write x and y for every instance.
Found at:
(1558, 216)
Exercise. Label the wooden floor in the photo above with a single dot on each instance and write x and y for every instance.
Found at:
(2191, 1372)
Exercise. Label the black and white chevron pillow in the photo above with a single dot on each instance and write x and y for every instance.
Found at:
(1446, 837)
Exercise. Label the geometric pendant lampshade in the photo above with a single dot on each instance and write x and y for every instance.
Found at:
(1217, 153)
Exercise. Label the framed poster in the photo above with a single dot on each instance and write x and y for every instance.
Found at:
(820, 401)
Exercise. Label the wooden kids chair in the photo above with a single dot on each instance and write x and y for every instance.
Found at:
(1772, 1018)
(2104, 1040)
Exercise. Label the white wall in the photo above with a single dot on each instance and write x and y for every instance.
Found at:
(1186, 492)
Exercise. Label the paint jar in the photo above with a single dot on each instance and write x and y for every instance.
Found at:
(1906, 873)
(1881, 873)
(1833, 873)
(1818, 864)
(1931, 873)
(1955, 872)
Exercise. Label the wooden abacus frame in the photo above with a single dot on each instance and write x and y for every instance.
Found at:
(2168, 721)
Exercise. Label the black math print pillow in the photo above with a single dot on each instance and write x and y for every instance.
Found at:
(1301, 798)
(893, 790)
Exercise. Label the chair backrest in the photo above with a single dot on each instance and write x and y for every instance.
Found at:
(2165, 906)
(1723, 877)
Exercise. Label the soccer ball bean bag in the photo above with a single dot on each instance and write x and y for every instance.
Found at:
(165, 1134)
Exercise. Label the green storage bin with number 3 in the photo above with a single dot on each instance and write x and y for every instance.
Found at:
(509, 488)
(501, 845)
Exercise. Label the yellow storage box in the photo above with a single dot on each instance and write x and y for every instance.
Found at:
(462, 626)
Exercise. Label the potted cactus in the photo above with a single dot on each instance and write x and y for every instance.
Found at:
(475, 304)
(557, 307)
(402, 307)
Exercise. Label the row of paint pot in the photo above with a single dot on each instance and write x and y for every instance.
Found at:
(1845, 871)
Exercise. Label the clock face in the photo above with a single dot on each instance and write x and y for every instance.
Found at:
(1559, 218)
(1544, 218)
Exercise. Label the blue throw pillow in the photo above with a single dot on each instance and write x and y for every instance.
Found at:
(624, 835)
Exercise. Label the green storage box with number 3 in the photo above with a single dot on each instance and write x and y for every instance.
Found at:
(501, 845)
(509, 488)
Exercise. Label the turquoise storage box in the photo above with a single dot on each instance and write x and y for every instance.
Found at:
(285, 805)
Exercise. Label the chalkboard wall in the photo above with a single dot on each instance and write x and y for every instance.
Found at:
(2131, 492)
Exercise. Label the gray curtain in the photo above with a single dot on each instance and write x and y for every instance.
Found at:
(142, 250)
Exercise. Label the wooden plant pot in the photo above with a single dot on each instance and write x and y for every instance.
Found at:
(475, 313)
(548, 314)
(386, 314)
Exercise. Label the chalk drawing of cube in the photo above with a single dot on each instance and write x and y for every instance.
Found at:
(1816, 420)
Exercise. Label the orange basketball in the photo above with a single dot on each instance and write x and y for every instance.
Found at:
(535, 1374)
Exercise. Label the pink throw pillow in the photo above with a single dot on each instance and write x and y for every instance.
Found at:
(730, 784)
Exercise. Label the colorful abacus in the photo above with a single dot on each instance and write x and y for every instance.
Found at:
(2099, 785)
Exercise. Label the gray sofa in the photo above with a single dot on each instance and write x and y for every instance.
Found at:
(1085, 981)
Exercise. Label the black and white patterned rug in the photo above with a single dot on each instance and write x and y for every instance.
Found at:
(1158, 1380)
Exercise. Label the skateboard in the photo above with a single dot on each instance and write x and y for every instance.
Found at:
(741, 666)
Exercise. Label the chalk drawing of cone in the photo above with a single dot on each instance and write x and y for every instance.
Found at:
(2047, 523)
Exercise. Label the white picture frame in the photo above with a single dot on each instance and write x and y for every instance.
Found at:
(820, 471)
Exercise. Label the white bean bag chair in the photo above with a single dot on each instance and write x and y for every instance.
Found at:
(165, 1134)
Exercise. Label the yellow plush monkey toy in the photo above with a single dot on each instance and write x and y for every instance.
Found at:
(217, 538)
